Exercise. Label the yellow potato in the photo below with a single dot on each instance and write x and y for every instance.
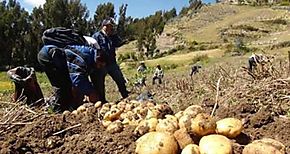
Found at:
(146, 126)
(115, 127)
(229, 127)
(98, 104)
(172, 119)
(193, 110)
(215, 144)
(81, 109)
(185, 122)
(265, 146)
(156, 143)
(191, 149)
(113, 114)
(179, 114)
(203, 124)
(165, 125)
(106, 123)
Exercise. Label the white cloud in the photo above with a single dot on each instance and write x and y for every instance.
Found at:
(34, 2)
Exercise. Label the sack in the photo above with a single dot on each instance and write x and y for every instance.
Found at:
(26, 85)
(61, 37)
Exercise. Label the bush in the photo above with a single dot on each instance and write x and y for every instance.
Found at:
(200, 58)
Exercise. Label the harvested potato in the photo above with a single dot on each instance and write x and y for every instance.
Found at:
(185, 122)
(66, 113)
(150, 104)
(265, 146)
(121, 105)
(165, 125)
(146, 126)
(179, 114)
(183, 138)
(193, 110)
(156, 143)
(215, 144)
(163, 109)
(172, 119)
(106, 123)
(203, 124)
(152, 114)
(191, 149)
(81, 109)
(104, 110)
(98, 104)
(115, 127)
(229, 127)
(129, 107)
(113, 114)
(126, 121)
(74, 112)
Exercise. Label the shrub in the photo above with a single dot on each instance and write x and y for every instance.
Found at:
(200, 58)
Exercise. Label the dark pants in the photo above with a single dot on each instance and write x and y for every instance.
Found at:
(55, 66)
(98, 79)
(157, 78)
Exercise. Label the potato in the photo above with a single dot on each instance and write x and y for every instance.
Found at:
(106, 123)
(215, 144)
(156, 143)
(179, 114)
(98, 104)
(183, 138)
(150, 104)
(121, 105)
(115, 127)
(172, 119)
(126, 121)
(113, 114)
(104, 110)
(81, 109)
(265, 146)
(185, 122)
(193, 110)
(74, 112)
(146, 126)
(191, 149)
(229, 127)
(66, 113)
(203, 124)
(152, 114)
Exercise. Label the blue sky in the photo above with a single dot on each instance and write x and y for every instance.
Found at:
(136, 8)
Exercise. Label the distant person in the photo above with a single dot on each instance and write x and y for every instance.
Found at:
(158, 75)
(108, 43)
(194, 70)
(142, 68)
(141, 75)
(254, 60)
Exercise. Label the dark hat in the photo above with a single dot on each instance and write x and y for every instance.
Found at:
(109, 21)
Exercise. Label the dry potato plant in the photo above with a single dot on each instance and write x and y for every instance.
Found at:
(237, 85)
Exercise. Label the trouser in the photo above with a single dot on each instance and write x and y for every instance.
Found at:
(252, 64)
(55, 66)
(98, 79)
(157, 78)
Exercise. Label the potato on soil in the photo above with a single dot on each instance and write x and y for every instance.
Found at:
(146, 126)
(115, 127)
(229, 127)
(193, 110)
(165, 125)
(265, 146)
(215, 144)
(179, 114)
(156, 143)
(191, 149)
(113, 114)
(185, 122)
(203, 124)
(98, 104)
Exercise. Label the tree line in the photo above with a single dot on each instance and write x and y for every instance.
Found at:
(21, 31)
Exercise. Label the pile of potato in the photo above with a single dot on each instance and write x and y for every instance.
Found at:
(191, 131)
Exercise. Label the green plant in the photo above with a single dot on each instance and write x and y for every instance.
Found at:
(200, 58)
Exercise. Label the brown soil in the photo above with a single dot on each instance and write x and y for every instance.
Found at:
(91, 136)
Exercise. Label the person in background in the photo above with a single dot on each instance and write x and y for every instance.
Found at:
(194, 70)
(108, 42)
(158, 74)
(141, 75)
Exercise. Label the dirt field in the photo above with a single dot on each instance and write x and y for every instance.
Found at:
(264, 112)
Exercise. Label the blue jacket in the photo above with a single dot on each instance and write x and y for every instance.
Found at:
(108, 46)
(80, 63)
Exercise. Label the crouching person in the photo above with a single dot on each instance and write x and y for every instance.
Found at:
(67, 70)
(26, 85)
